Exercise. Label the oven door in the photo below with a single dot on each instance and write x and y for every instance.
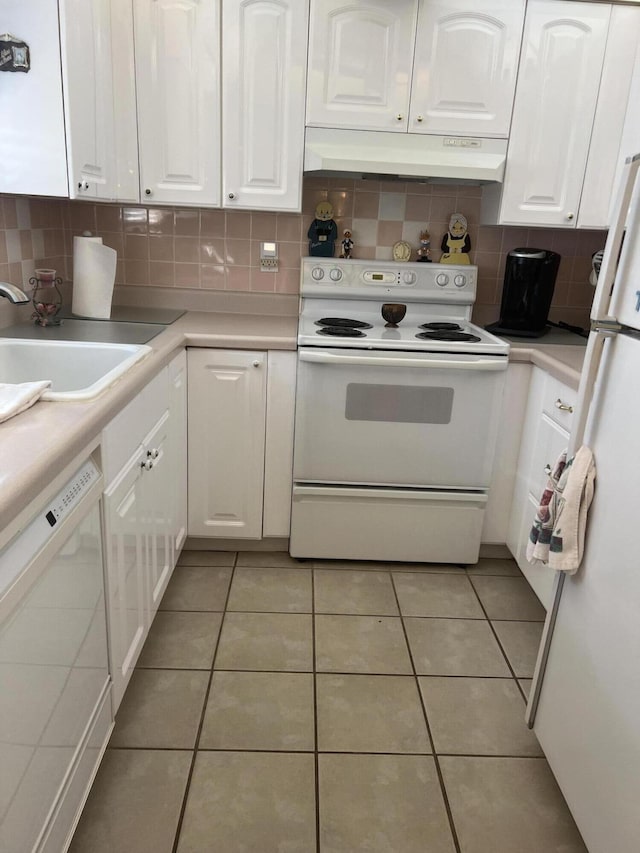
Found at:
(396, 418)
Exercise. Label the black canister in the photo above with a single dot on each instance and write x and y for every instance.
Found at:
(529, 280)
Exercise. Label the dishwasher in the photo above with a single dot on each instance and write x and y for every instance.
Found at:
(55, 689)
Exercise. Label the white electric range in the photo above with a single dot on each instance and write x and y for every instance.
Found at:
(395, 425)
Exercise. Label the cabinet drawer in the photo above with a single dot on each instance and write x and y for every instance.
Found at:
(123, 435)
(558, 394)
(551, 440)
(539, 575)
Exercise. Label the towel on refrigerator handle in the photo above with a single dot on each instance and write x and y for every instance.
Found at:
(567, 540)
(539, 544)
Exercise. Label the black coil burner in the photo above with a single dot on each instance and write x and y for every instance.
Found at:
(341, 332)
(343, 323)
(441, 327)
(447, 336)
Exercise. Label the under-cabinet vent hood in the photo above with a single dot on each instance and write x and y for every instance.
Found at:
(404, 155)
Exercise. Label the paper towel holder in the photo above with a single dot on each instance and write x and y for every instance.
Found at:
(46, 297)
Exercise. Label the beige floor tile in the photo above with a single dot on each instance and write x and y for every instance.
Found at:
(344, 591)
(437, 595)
(181, 640)
(266, 641)
(504, 805)
(271, 590)
(368, 644)
(525, 684)
(381, 804)
(161, 709)
(486, 566)
(135, 802)
(241, 802)
(508, 598)
(372, 566)
(259, 710)
(520, 640)
(370, 713)
(197, 588)
(455, 647)
(207, 558)
(270, 560)
(477, 716)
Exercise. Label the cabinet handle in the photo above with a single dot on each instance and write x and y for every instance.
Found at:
(570, 216)
(420, 118)
(563, 406)
(232, 195)
(153, 454)
(547, 470)
(146, 464)
(147, 191)
(256, 363)
(399, 117)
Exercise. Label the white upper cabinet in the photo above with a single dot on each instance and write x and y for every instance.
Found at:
(32, 141)
(556, 97)
(263, 91)
(177, 47)
(127, 176)
(466, 61)
(360, 58)
(88, 97)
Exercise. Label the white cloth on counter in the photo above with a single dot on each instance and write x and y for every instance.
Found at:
(16, 398)
(558, 531)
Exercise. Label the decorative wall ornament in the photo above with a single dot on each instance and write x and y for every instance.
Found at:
(323, 231)
(14, 54)
(456, 243)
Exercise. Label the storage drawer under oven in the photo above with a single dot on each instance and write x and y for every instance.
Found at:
(397, 418)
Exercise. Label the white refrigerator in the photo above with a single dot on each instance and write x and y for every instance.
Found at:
(585, 700)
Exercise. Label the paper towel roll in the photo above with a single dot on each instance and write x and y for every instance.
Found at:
(94, 273)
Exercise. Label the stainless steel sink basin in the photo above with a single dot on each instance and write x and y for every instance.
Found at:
(77, 370)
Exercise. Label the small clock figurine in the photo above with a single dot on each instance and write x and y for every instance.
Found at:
(456, 242)
(347, 245)
(401, 251)
(323, 232)
(424, 252)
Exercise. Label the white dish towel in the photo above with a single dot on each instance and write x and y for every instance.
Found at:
(16, 398)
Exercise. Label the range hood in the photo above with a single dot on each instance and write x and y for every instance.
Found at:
(404, 155)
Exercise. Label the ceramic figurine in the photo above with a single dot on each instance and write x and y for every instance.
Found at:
(347, 245)
(323, 232)
(424, 252)
(456, 243)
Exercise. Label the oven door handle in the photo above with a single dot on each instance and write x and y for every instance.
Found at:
(473, 363)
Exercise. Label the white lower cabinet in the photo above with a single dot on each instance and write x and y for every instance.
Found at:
(241, 403)
(144, 512)
(545, 436)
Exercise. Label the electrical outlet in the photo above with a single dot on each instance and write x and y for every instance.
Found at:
(268, 257)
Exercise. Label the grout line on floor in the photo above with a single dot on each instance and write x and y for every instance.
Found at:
(316, 760)
(436, 762)
(183, 808)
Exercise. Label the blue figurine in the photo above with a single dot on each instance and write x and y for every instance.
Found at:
(323, 232)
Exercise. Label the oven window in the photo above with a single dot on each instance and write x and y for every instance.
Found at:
(413, 404)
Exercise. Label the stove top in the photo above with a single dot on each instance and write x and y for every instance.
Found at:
(343, 307)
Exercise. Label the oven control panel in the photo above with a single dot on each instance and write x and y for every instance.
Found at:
(359, 277)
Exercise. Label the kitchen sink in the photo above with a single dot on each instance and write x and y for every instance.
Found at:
(78, 370)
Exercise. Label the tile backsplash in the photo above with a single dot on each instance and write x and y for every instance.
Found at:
(216, 250)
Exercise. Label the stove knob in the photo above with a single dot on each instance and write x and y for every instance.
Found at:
(460, 280)
(335, 274)
(442, 279)
(317, 273)
(408, 277)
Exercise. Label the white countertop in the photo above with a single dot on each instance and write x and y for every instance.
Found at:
(36, 445)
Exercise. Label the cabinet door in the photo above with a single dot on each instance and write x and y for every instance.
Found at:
(177, 46)
(465, 67)
(33, 157)
(278, 457)
(226, 425)
(127, 175)
(177, 449)
(85, 29)
(556, 95)
(263, 91)
(360, 58)
(158, 512)
(125, 555)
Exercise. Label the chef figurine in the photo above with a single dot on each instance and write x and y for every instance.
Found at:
(456, 243)
(323, 231)
(424, 252)
(347, 245)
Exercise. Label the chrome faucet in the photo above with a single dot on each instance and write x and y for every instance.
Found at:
(13, 293)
